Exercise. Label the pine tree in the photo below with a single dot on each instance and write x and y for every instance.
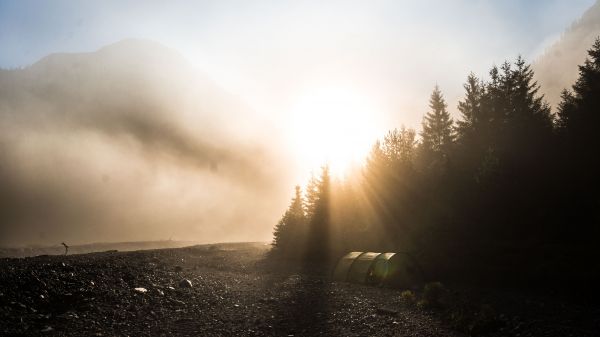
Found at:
(319, 224)
(567, 117)
(470, 107)
(578, 123)
(579, 111)
(408, 145)
(289, 230)
(527, 107)
(398, 146)
(437, 131)
(375, 162)
(492, 108)
(312, 196)
(519, 121)
(506, 115)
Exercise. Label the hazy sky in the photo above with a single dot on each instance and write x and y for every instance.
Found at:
(270, 52)
(280, 55)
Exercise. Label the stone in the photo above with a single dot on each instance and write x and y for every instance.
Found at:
(185, 283)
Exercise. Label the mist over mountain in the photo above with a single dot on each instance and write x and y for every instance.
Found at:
(557, 68)
(131, 143)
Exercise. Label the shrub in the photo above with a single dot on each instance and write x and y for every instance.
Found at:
(408, 298)
(434, 295)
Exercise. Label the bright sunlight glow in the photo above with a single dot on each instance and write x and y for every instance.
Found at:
(335, 126)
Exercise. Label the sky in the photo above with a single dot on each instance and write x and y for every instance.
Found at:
(271, 52)
(277, 55)
(305, 82)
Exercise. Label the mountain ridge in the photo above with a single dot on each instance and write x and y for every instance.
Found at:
(128, 143)
(557, 68)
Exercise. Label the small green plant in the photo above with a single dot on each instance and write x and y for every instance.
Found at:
(434, 296)
(408, 298)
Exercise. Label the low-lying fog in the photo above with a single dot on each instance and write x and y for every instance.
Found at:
(131, 143)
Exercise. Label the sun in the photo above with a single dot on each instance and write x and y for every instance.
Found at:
(335, 126)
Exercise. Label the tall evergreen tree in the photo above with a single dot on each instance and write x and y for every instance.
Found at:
(579, 111)
(521, 125)
(319, 224)
(511, 102)
(377, 159)
(290, 228)
(399, 146)
(437, 131)
(312, 196)
(527, 106)
(505, 116)
(470, 107)
(578, 123)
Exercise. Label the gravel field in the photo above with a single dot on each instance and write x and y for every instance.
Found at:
(232, 292)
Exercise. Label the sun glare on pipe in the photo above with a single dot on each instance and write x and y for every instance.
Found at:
(334, 126)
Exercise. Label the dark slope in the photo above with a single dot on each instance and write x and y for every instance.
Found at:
(556, 69)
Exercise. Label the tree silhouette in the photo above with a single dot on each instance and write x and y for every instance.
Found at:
(578, 123)
(506, 184)
(437, 134)
(290, 229)
(399, 146)
(470, 107)
(578, 113)
(312, 196)
(319, 223)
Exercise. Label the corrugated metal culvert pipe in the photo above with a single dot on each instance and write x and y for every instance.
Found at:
(391, 269)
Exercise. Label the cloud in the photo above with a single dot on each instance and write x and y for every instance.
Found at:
(130, 143)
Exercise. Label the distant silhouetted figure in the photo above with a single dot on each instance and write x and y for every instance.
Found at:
(66, 248)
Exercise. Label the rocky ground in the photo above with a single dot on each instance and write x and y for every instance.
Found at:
(59, 249)
(228, 289)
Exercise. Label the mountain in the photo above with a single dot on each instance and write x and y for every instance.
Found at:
(131, 142)
(556, 69)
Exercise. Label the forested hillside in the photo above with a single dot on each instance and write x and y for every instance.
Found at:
(506, 192)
